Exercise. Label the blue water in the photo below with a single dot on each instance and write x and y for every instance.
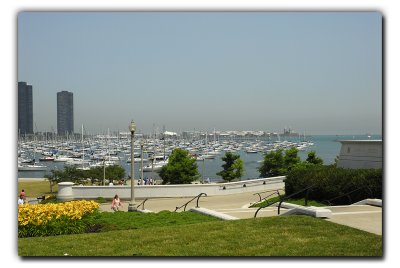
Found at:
(326, 147)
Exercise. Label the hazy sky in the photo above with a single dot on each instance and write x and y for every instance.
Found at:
(319, 73)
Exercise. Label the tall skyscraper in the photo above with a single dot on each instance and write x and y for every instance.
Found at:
(25, 108)
(65, 113)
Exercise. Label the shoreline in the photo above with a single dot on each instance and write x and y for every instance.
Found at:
(30, 179)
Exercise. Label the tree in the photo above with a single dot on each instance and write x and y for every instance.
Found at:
(53, 178)
(272, 164)
(181, 168)
(291, 158)
(113, 172)
(277, 164)
(313, 159)
(233, 167)
(75, 175)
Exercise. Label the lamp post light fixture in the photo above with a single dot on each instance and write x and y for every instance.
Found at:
(131, 206)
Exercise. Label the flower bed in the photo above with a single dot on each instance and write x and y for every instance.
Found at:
(54, 219)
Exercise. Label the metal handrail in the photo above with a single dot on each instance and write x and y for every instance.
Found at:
(197, 203)
(269, 204)
(347, 195)
(259, 194)
(307, 190)
(142, 204)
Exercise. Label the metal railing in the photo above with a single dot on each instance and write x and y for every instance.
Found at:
(348, 195)
(142, 204)
(197, 203)
(283, 198)
(265, 198)
(267, 205)
(307, 190)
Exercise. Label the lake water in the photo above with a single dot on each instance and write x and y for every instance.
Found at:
(326, 147)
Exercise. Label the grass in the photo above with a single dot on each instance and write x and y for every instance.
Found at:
(112, 221)
(34, 189)
(275, 236)
(298, 201)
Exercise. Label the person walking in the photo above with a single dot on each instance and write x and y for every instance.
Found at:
(116, 203)
(22, 194)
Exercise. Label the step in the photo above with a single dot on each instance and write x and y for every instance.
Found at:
(213, 213)
(316, 212)
(371, 202)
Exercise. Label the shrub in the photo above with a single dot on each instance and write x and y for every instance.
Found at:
(331, 182)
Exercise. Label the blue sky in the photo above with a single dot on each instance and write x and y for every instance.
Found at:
(318, 73)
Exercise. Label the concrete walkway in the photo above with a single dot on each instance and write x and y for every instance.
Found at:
(363, 217)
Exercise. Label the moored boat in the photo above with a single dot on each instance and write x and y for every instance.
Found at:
(46, 158)
(31, 168)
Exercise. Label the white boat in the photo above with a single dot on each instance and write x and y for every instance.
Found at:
(31, 168)
(156, 167)
(136, 160)
(77, 161)
(46, 158)
(26, 161)
(62, 159)
(208, 156)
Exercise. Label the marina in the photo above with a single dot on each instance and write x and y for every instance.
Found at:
(37, 158)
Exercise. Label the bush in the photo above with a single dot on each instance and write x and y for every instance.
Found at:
(331, 182)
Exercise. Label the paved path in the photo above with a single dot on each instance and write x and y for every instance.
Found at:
(363, 217)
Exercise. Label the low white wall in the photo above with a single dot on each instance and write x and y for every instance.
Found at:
(181, 190)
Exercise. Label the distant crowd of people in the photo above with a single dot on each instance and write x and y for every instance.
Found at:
(146, 181)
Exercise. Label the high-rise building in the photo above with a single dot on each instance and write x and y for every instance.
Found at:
(25, 108)
(65, 113)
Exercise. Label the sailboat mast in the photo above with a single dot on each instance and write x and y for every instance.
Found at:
(83, 148)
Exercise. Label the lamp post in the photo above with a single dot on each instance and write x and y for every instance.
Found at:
(131, 206)
(104, 171)
(141, 156)
(203, 170)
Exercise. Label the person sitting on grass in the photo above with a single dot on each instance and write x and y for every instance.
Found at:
(116, 203)
(21, 200)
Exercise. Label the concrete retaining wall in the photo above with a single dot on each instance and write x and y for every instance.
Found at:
(182, 190)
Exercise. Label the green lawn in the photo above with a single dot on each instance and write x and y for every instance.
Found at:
(297, 201)
(275, 236)
(34, 189)
(112, 221)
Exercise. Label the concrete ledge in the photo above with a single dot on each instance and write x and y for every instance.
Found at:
(66, 190)
(144, 211)
(371, 202)
(213, 213)
(316, 212)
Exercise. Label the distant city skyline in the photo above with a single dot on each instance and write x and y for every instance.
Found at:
(313, 72)
(25, 109)
(65, 112)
